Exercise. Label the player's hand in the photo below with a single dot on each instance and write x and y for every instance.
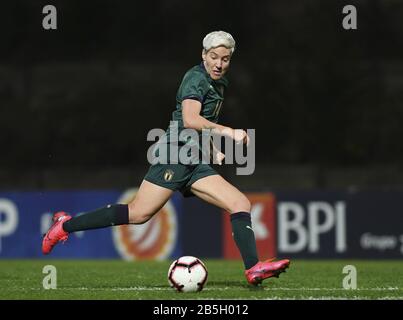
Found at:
(219, 157)
(240, 136)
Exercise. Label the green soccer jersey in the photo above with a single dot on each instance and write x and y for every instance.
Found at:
(197, 85)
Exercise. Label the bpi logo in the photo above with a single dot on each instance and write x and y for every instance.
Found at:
(154, 239)
(300, 228)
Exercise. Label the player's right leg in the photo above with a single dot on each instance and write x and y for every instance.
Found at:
(216, 190)
(149, 199)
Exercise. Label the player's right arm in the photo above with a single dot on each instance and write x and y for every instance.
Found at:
(193, 120)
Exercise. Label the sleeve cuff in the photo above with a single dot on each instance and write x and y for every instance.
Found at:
(193, 97)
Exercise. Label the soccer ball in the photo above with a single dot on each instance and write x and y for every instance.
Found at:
(187, 274)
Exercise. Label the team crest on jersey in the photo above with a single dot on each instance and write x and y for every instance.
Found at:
(168, 175)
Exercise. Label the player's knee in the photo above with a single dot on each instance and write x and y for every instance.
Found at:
(137, 215)
(241, 204)
(139, 218)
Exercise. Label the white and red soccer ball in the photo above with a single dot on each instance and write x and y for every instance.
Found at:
(187, 274)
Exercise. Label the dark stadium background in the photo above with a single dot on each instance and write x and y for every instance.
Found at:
(76, 103)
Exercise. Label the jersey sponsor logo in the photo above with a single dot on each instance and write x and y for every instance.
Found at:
(153, 240)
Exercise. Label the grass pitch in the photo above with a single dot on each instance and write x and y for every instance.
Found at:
(114, 279)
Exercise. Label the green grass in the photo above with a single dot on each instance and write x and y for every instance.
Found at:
(113, 279)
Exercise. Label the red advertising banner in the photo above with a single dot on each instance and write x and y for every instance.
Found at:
(263, 223)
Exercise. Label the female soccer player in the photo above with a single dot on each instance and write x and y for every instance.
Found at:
(199, 100)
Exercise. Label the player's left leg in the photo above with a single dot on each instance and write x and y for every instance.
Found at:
(216, 190)
(64, 224)
(150, 198)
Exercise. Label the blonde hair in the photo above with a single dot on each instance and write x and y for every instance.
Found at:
(217, 39)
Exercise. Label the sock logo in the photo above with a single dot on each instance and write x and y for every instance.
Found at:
(249, 227)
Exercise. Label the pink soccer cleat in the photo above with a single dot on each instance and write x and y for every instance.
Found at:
(56, 232)
(266, 269)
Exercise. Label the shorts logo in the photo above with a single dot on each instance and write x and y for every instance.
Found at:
(168, 175)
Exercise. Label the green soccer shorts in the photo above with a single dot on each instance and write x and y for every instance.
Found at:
(178, 177)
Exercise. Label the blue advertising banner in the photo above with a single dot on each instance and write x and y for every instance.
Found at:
(305, 224)
(344, 224)
(295, 224)
(26, 216)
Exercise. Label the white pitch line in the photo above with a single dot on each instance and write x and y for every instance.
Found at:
(334, 289)
(266, 289)
(333, 298)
